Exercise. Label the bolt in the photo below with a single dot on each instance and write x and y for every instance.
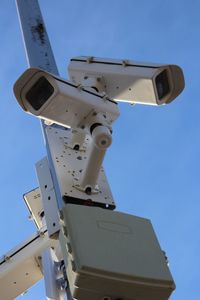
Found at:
(89, 59)
(76, 147)
(103, 142)
(62, 284)
(125, 63)
(88, 190)
(41, 233)
(61, 215)
(7, 258)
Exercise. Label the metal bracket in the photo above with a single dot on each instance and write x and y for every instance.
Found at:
(69, 165)
(51, 211)
(55, 282)
(33, 200)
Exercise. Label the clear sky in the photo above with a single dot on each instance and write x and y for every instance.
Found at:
(153, 165)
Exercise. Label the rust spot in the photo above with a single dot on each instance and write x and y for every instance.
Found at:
(39, 29)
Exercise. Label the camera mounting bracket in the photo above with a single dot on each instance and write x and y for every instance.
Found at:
(69, 164)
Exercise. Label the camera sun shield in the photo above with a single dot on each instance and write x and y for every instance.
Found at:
(129, 81)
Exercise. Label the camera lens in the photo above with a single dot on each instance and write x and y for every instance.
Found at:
(39, 93)
(162, 84)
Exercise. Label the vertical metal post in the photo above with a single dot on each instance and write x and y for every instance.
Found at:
(39, 54)
(52, 290)
(38, 49)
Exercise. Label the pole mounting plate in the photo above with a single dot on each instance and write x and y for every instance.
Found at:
(69, 164)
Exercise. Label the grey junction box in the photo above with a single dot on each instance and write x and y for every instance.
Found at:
(113, 255)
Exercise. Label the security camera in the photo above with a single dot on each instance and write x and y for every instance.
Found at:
(59, 101)
(129, 81)
(70, 105)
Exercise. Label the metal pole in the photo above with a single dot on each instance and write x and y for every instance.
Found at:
(38, 49)
(39, 54)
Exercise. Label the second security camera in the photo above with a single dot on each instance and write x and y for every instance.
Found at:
(130, 81)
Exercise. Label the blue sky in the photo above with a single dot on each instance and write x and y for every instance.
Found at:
(153, 165)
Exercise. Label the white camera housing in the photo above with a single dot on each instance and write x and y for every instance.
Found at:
(130, 81)
(59, 101)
